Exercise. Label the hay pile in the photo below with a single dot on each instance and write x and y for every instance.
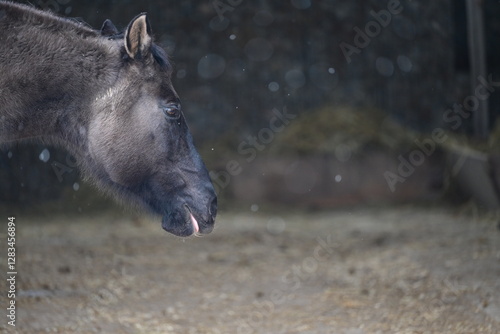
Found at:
(328, 128)
(324, 130)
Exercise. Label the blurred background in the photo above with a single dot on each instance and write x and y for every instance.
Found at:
(352, 145)
(315, 104)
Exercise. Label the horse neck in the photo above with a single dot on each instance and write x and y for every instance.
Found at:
(50, 70)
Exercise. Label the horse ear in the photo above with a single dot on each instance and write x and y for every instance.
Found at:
(138, 38)
(108, 28)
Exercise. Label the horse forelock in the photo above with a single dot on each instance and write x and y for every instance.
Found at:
(161, 58)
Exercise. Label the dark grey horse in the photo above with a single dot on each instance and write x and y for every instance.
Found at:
(108, 99)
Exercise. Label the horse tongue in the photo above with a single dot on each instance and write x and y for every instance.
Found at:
(196, 228)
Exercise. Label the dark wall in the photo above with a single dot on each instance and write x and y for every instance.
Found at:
(238, 60)
(406, 68)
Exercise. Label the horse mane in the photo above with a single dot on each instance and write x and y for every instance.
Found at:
(50, 20)
(46, 19)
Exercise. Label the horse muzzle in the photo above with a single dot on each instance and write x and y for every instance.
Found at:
(186, 220)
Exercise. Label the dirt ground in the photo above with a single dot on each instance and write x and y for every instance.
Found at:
(391, 270)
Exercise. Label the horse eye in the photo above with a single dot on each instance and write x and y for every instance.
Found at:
(172, 110)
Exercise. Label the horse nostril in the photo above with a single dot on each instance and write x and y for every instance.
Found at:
(212, 210)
